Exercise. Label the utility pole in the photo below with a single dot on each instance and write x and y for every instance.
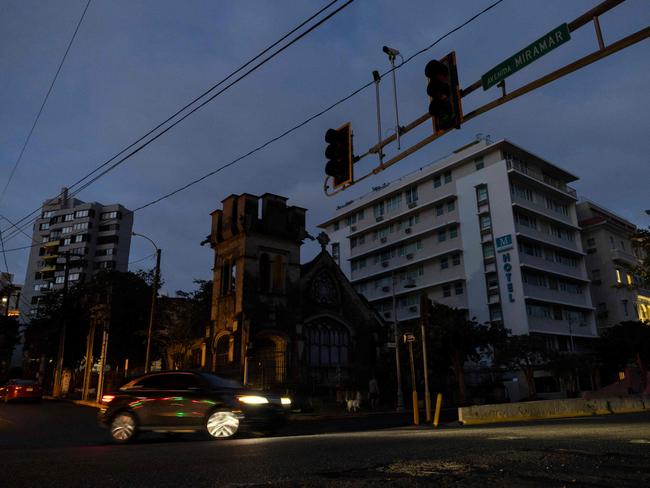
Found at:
(424, 319)
(409, 338)
(90, 341)
(154, 296)
(58, 374)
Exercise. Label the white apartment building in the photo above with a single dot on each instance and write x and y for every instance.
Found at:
(616, 292)
(491, 229)
(96, 237)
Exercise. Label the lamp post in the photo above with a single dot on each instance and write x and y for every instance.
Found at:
(400, 396)
(154, 296)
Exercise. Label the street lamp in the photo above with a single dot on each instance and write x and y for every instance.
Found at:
(154, 296)
(400, 397)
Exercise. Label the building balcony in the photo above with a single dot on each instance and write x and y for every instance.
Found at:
(549, 239)
(552, 267)
(51, 244)
(540, 209)
(624, 257)
(546, 325)
(556, 296)
(537, 176)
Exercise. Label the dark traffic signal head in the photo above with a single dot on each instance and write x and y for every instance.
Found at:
(444, 93)
(339, 154)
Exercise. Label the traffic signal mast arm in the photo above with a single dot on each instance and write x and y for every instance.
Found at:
(600, 53)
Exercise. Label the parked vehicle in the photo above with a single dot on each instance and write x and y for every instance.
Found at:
(18, 389)
(189, 401)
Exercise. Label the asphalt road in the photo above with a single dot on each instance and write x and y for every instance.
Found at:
(56, 444)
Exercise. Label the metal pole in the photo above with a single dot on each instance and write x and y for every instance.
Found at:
(58, 374)
(380, 153)
(154, 296)
(397, 129)
(102, 362)
(90, 340)
(416, 406)
(400, 396)
(424, 317)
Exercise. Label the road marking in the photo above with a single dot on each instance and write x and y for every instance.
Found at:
(506, 438)
(640, 441)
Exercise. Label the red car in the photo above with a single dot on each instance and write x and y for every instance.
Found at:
(20, 390)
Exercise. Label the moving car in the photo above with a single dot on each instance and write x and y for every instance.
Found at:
(189, 401)
(17, 389)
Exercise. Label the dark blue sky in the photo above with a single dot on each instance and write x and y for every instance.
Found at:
(135, 63)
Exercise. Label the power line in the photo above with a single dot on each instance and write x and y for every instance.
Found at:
(142, 259)
(47, 95)
(151, 131)
(301, 124)
(309, 119)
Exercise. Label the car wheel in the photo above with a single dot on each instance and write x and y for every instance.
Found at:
(222, 424)
(123, 427)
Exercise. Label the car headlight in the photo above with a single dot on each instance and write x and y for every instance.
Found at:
(285, 401)
(253, 399)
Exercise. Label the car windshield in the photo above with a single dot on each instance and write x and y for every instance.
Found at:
(218, 382)
(23, 382)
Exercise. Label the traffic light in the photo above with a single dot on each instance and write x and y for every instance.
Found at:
(339, 154)
(444, 93)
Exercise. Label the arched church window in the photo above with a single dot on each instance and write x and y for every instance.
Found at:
(278, 274)
(327, 344)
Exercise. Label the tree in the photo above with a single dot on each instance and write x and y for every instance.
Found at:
(460, 339)
(641, 241)
(183, 320)
(524, 352)
(9, 337)
(626, 343)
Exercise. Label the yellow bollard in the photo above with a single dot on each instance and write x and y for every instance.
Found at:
(436, 417)
(416, 409)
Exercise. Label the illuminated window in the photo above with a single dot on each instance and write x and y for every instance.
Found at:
(629, 279)
(618, 276)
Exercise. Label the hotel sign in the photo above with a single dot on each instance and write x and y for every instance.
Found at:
(527, 55)
(503, 244)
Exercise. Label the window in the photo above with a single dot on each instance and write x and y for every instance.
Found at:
(436, 181)
(378, 209)
(440, 209)
(414, 219)
(66, 230)
(453, 231)
(336, 225)
(81, 226)
(109, 227)
(458, 288)
(107, 239)
(485, 222)
(353, 242)
(362, 263)
(81, 213)
(447, 176)
(526, 220)
(481, 194)
(522, 192)
(444, 263)
(228, 272)
(265, 273)
(67, 241)
(446, 291)
(326, 344)
(618, 276)
(74, 277)
(59, 280)
(488, 250)
(45, 239)
(629, 278)
(85, 238)
(395, 226)
(479, 164)
(451, 206)
(277, 275)
(393, 203)
(110, 215)
(361, 239)
(44, 226)
(455, 259)
(336, 252)
(47, 214)
(411, 195)
(68, 217)
(442, 235)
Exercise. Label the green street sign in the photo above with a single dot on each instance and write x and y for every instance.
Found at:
(527, 55)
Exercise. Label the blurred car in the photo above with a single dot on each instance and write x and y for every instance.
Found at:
(18, 389)
(189, 401)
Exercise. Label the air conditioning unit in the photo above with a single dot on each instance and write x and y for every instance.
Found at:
(383, 240)
(409, 256)
(379, 219)
(385, 289)
(413, 309)
(384, 264)
(353, 228)
(407, 230)
(413, 204)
